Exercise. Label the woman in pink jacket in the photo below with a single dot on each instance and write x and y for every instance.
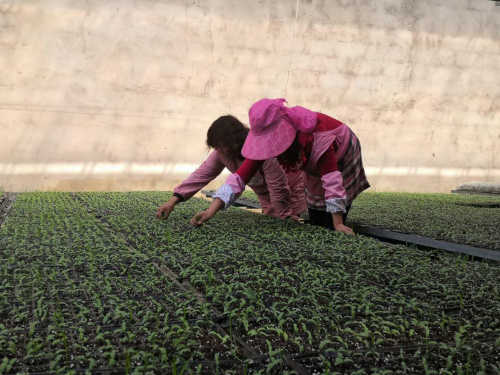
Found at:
(302, 140)
(278, 195)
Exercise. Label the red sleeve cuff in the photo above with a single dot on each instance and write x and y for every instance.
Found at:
(248, 169)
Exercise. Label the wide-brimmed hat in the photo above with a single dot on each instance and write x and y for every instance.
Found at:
(273, 127)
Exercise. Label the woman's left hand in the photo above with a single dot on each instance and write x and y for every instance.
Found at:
(206, 215)
(201, 217)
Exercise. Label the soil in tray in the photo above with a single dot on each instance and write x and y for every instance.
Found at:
(109, 312)
(281, 288)
(303, 339)
(66, 259)
(472, 360)
(140, 280)
(236, 367)
(291, 340)
(76, 292)
(109, 348)
(300, 334)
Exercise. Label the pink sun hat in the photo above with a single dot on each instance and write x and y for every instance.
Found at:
(273, 127)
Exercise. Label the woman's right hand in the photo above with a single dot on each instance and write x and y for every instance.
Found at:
(206, 215)
(166, 209)
(343, 229)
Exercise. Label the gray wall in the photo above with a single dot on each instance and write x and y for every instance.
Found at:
(118, 94)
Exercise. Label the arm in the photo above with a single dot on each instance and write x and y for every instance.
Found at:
(230, 191)
(166, 208)
(335, 195)
(210, 169)
(235, 183)
(279, 191)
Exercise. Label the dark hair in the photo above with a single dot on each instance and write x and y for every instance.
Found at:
(292, 153)
(228, 132)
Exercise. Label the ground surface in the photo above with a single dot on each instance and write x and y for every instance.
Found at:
(94, 281)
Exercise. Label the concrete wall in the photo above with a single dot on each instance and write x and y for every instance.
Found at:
(118, 94)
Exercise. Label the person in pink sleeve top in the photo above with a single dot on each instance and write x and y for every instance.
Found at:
(280, 195)
(302, 140)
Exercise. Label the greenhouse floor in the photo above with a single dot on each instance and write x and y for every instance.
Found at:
(94, 283)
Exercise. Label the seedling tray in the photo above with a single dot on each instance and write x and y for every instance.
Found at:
(237, 203)
(403, 238)
(276, 294)
(474, 193)
(411, 239)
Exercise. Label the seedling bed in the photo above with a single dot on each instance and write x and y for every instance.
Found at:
(50, 282)
(78, 266)
(469, 192)
(412, 360)
(184, 284)
(283, 291)
(409, 238)
(467, 220)
(403, 238)
(99, 348)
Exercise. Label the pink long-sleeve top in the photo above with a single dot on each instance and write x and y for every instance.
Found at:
(268, 178)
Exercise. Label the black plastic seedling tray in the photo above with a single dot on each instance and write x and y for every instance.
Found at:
(474, 193)
(426, 242)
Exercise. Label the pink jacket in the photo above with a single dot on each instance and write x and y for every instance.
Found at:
(331, 192)
(327, 192)
(270, 184)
